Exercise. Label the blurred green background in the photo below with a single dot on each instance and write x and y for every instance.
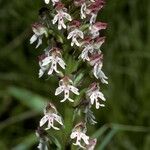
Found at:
(126, 117)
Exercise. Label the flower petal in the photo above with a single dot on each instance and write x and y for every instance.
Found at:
(74, 89)
(33, 39)
(43, 120)
(59, 90)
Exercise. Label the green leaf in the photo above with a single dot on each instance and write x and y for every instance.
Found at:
(28, 141)
(107, 139)
(28, 98)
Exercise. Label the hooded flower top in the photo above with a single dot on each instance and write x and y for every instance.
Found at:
(61, 16)
(79, 133)
(94, 93)
(51, 116)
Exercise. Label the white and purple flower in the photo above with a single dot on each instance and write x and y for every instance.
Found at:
(79, 133)
(51, 116)
(61, 16)
(65, 85)
(95, 28)
(39, 30)
(96, 61)
(75, 33)
(90, 47)
(94, 94)
(93, 9)
(53, 60)
(50, 61)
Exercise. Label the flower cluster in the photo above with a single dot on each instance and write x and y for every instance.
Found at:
(82, 32)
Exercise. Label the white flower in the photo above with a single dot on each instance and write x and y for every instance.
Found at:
(65, 85)
(88, 48)
(94, 94)
(52, 61)
(80, 135)
(95, 28)
(91, 46)
(96, 61)
(53, 1)
(51, 116)
(39, 30)
(74, 35)
(60, 16)
(99, 74)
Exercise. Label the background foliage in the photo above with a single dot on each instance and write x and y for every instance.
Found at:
(123, 123)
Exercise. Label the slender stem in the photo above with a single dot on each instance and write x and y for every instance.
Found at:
(68, 124)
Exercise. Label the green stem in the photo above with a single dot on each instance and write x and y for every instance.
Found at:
(68, 125)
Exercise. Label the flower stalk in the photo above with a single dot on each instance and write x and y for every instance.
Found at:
(73, 41)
